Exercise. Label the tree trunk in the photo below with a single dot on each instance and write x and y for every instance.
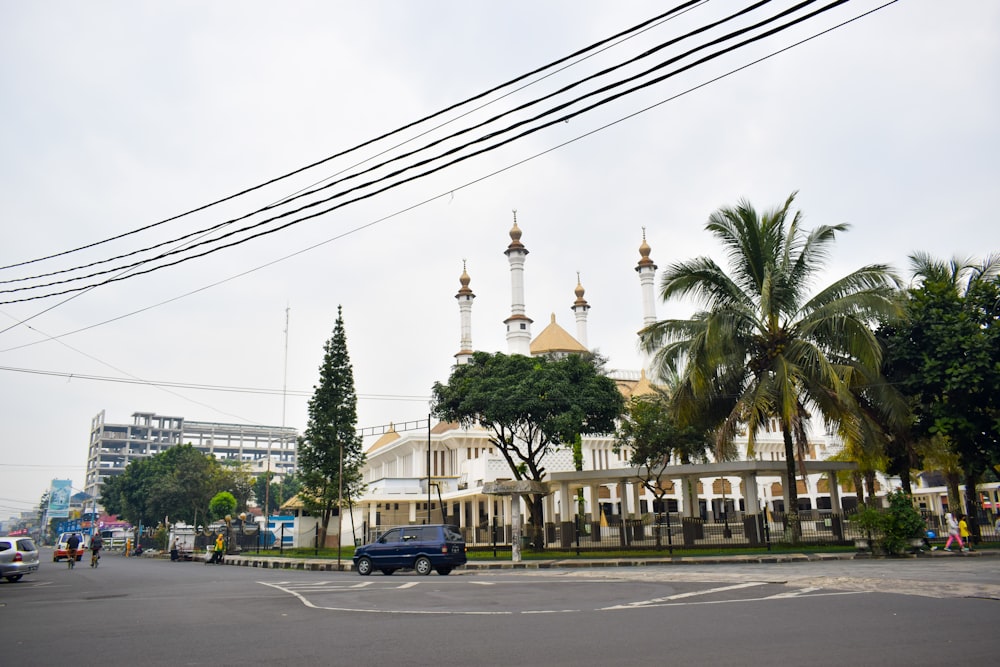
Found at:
(537, 522)
(791, 513)
(951, 480)
(972, 505)
(859, 487)
(870, 485)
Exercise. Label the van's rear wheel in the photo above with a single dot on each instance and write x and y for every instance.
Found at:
(14, 577)
(365, 566)
(423, 565)
(443, 571)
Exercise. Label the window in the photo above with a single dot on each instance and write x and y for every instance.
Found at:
(392, 537)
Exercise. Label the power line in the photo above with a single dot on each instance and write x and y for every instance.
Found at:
(458, 159)
(204, 387)
(681, 8)
(308, 192)
(468, 183)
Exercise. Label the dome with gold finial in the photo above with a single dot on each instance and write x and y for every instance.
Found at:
(644, 251)
(464, 280)
(579, 291)
(515, 236)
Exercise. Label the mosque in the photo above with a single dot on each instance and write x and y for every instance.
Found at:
(443, 473)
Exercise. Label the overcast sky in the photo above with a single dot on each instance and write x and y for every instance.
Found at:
(117, 115)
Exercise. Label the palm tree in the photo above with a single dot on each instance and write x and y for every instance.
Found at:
(761, 342)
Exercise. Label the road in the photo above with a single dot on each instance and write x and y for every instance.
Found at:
(153, 612)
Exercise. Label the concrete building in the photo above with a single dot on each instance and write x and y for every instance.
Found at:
(413, 475)
(113, 446)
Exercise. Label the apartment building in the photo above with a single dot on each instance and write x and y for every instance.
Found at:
(113, 446)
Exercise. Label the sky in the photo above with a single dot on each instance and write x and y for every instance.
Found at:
(118, 115)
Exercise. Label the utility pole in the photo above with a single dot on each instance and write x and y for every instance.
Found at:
(284, 398)
(428, 467)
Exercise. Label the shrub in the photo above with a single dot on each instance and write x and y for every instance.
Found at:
(892, 528)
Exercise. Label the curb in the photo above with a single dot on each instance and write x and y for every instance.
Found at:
(346, 565)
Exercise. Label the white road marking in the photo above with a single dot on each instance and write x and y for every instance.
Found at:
(681, 596)
(677, 600)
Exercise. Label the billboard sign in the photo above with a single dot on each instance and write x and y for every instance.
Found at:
(59, 495)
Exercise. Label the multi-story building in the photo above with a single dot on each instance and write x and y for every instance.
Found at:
(113, 446)
(412, 475)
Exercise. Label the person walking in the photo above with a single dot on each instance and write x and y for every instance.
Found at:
(963, 532)
(220, 549)
(953, 534)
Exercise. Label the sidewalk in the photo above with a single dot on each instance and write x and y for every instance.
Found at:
(331, 565)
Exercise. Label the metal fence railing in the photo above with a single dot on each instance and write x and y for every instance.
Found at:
(672, 531)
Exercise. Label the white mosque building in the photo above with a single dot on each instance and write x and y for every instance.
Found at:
(412, 476)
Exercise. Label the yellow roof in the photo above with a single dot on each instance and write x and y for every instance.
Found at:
(293, 503)
(387, 437)
(632, 388)
(555, 339)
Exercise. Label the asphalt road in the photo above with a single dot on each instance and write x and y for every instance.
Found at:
(153, 612)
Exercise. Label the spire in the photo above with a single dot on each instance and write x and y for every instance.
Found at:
(647, 279)
(518, 324)
(580, 308)
(465, 297)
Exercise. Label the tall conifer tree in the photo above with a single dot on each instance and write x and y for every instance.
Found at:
(330, 450)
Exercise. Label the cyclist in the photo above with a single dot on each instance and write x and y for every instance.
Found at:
(95, 549)
(71, 544)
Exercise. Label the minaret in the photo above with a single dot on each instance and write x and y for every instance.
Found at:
(647, 279)
(518, 324)
(580, 308)
(465, 297)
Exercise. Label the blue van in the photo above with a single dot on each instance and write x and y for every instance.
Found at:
(436, 547)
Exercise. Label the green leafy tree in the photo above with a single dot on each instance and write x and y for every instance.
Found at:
(187, 481)
(239, 481)
(329, 455)
(278, 493)
(649, 432)
(530, 405)
(761, 342)
(177, 484)
(129, 495)
(222, 504)
(945, 355)
(290, 485)
(265, 488)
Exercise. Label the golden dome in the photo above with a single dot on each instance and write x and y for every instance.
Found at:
(464, 280)
(644, 251)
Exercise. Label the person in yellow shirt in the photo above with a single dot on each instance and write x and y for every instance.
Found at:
(220, 549)
(963, 531)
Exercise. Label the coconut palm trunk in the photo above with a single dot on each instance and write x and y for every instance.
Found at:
(792, 511)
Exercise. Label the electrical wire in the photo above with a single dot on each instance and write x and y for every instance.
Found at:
(474, 181)
(312, 191)
(203, 387)
(452, 151)
(679, 9)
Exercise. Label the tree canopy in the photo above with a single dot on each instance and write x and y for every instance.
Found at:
(761, 342)
(530, 405)
(176, 484)
(329, 454)
(945, 356)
